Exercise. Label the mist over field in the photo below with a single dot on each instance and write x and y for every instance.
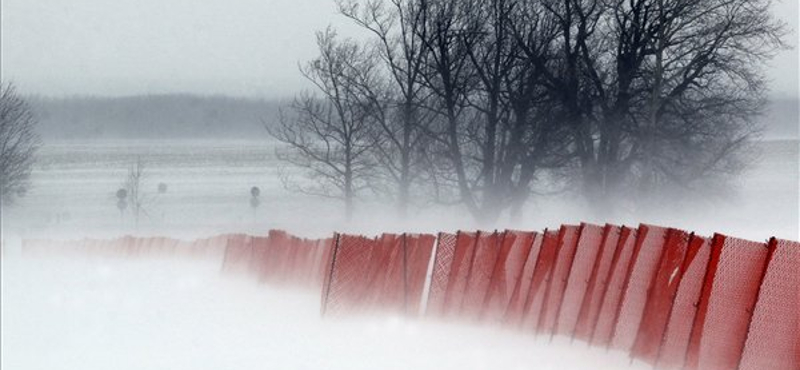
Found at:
(73, 314)
(210, 151)
(208, 183)
(95, 314)
(189, 116)
(189, 120)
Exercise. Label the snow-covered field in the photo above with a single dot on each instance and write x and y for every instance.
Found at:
(208, 191)
(95, 314)
(168, 314)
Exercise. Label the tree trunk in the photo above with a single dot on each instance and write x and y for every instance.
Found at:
(349, 193)
(404, 186)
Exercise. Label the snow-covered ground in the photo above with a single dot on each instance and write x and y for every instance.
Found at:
(113, 314)
(168, 314)
(208, 192)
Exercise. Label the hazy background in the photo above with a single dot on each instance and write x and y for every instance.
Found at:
(235, 47)
(186, 87)
(113, 81)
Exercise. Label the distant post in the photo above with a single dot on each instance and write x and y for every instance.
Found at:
(162, 189)
(255, 192)
(122, 202)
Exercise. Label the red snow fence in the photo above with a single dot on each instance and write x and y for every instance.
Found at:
(128, 247)
(773, 336)
(384, 274)
(278, 258)
(668, 297)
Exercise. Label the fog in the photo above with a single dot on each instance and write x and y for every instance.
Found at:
(241, 47)
(208, 184)
(72, 314)
(93, 47)
(189, 90)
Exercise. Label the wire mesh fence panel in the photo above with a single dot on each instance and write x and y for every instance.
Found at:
(345, 293)
(646, 255)
(773, 340)
(418, 250)
(542, 273)
(612, 297)
(142, 246)
(262, 251)
(515, 311)
(150, 247)
(299, 261)
(136, 245)
(124, 246)
(214, 246)
(307, 271)
(303, 275)
(194, 248)
(596, 286)
(673, 299)
(279, 252)
(109, 248)
(554, 293)
(726, 304)
(323, 253)
(588, 247)
(480, 274)
(272, 262)
(294, 261)
(459, 273)
(131, 246)
(172, 247)
(327, 272)
(512, 254)
(672, 353)
(290, 262)
(387, 284)
(161, 247)
(115, 248)
(660, 297)
(440, 277)
(260, 254)
(153, 247)
(238, 252)
(36, 247)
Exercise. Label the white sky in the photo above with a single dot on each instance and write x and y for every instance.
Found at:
(236, 47)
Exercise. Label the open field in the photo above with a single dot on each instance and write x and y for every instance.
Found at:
(95, 314)
(209, 182)
(101, 314)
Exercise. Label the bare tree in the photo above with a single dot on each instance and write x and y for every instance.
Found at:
(447, 32)
(487, 72)
(18, 144)
(706, 87)
(517, 137)
(495, 98)
(330, 134)
(134, 184)
(660, 93)
(395, 26)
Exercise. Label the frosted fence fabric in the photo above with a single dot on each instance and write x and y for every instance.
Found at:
(773, 339)
(668, 297)
(589, 244)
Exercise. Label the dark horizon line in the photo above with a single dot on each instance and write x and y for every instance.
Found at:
(250, 97)
(178, 94)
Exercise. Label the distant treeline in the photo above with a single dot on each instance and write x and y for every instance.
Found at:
(196, 117)
(153, 117)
